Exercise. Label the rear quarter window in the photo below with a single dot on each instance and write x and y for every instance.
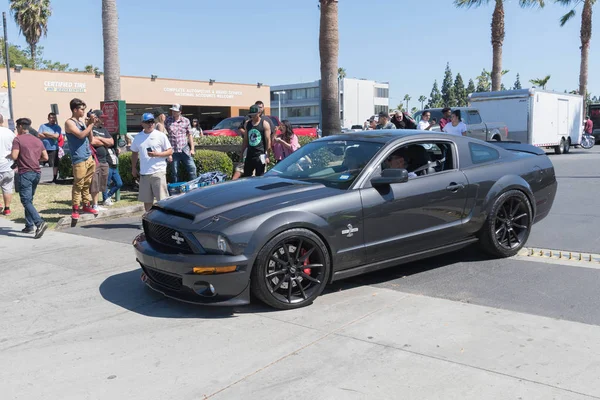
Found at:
(482, 154)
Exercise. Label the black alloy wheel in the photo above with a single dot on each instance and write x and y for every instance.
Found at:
(508, 225)
(291, 270)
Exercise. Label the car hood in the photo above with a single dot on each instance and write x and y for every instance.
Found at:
(221, 132)
(245, 197)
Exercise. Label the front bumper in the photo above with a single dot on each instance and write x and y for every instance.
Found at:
(172, 275)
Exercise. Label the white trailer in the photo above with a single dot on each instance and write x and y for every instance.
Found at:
(537, 117)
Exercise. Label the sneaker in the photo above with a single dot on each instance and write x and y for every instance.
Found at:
(89, 209)
(108, 202)
(27, 230)
(98, 208)
(41, 229)
(6, 211)
(75, 212)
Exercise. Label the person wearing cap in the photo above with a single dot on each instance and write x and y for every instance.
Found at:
(160, 117)
(152, 148)
(384, 121)
(182, 141)
(28, 151)
(372, 122)
(102, 141)
(257, 143)
(261, 108)
(79, 138)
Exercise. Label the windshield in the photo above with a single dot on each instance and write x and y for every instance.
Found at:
(335, 164)
(230, 123)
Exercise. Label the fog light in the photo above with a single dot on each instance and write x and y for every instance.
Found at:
(214, 270)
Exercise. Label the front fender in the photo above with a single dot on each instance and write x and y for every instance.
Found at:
(278, 223)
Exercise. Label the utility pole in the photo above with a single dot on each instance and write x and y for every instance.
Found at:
(279, 97)
(7, 64)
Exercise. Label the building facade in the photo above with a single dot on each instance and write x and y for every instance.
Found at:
(34, 92)
(359, 100)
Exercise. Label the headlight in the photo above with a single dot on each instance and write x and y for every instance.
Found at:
(214, 243)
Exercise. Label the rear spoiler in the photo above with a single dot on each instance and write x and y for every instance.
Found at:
(518, 146)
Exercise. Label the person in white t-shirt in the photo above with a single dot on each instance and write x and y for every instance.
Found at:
(456, 126)
(7, 175)
(424, 124)
(152, 147)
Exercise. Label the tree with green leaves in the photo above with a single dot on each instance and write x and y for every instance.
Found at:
(470, 88)
(400, 107)
(460, 91)
(483, 82)
(585, 36)
(448, 95)
(341, 73)
(407, 98)
(414, 110)
(497, 31)
(422, 99)
(32, 18)
(517, 85)
(541, 82)
(435, 98)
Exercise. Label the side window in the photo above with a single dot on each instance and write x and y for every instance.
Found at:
(421, 159)
(481, 153)
(474, 117)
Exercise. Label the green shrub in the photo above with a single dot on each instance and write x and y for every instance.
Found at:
(125, 169)
(65, 167)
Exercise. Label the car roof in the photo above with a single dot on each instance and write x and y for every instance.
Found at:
(388, 135)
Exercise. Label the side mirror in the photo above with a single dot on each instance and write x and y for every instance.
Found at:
(390, 176)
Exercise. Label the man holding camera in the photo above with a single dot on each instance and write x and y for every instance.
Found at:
(152, 148)
(28, 151)
(79, 137)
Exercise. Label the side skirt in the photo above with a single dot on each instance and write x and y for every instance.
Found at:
(363, 269)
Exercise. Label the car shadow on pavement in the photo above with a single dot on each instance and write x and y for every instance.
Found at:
(126, 290)
(469, 254)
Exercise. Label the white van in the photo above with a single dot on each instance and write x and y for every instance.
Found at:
(537, 117)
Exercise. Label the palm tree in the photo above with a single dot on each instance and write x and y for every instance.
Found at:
(329, 42)
(585, 35)
(407, 99)
(497, 32)
(341, 73)
(422, 99)
(110, 35)
(542, 82)
(32, 17)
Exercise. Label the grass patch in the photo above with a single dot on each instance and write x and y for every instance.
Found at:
(54, 202)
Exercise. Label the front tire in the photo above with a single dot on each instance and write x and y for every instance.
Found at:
(291, 270)
(508, 225)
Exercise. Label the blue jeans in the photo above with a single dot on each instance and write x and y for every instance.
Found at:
(113, 177)
(28, 182)
(188, 162)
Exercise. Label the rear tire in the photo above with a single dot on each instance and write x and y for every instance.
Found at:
(567, 147)
(508, 225)
(560, 148)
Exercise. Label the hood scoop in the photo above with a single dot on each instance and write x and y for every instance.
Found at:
(275, 185)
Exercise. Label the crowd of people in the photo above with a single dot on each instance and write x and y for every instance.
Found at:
(450, 123)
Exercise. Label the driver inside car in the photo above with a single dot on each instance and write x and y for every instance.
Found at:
(353, 159)
(397, 160)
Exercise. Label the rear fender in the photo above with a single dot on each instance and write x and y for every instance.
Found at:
(504, 184)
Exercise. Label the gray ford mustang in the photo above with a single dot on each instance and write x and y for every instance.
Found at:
(341, 206)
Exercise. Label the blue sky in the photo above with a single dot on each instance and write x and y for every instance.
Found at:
(276, 41)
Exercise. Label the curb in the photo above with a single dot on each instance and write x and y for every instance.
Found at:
(66, 222)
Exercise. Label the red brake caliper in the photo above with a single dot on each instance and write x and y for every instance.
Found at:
(306, 262)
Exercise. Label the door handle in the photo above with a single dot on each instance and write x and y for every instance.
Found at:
(454, 187)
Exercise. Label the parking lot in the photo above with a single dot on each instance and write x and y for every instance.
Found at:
(76, 322)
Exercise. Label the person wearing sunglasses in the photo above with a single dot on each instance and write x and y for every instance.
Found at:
(152, 148)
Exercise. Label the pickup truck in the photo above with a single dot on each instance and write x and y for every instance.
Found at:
(476, 127)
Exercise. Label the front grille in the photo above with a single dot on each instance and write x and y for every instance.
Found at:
(171, 281)
(162, 239)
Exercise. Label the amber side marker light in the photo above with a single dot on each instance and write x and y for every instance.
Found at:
(214, 270)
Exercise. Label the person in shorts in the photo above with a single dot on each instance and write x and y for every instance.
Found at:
(50, 133)
(7, 174)
(152, 148)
